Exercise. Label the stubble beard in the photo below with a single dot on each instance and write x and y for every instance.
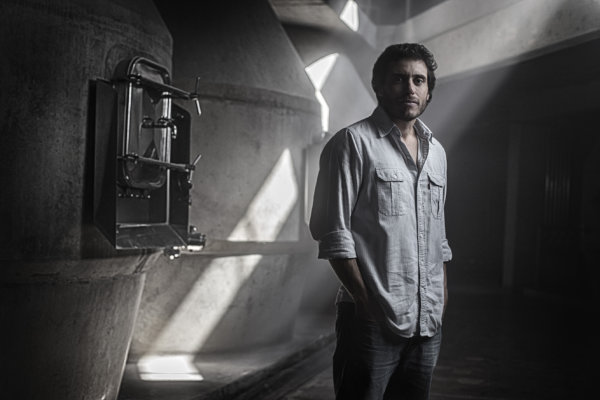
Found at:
(406, 114)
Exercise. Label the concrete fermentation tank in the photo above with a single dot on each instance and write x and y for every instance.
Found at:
(259, 112)
(68, 301)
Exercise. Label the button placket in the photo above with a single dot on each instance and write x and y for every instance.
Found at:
(421, 256)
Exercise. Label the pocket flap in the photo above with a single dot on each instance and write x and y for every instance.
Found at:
(437, 179)
(389, 174)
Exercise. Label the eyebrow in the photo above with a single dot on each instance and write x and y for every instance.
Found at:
(401, 74)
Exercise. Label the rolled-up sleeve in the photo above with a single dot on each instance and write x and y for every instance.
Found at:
(446, 250)
(335, 195)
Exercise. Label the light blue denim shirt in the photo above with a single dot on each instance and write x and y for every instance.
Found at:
(373, 203)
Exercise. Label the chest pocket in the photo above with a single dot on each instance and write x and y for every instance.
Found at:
(392, 188)
(437, 184)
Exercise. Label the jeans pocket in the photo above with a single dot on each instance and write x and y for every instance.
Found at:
(367, 336)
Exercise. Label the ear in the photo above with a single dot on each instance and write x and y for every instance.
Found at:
(377, 91)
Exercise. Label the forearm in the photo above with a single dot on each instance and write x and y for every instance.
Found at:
(348, 273)
(445, 290)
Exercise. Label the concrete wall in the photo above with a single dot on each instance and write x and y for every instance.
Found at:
(258, 114)
(470, 34)
(67, 299)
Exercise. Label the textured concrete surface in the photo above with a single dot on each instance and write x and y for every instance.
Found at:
(258, 114)
(68, 300)
(46, 153)
(69, 338)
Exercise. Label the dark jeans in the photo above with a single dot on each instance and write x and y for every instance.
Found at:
(371, 363)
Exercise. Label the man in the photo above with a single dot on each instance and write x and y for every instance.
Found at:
(378, 215)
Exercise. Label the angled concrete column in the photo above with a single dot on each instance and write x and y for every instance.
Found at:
(67, 299)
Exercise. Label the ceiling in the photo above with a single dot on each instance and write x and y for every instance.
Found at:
(321, 13)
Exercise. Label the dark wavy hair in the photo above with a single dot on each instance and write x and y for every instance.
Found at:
(410, 51)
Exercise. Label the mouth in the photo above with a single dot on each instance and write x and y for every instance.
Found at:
(409, 102)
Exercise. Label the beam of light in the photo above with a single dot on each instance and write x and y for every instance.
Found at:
(204, 305)
(272, 205)
(212, 294)
(318, 72)
(168, 368)
(349, 15)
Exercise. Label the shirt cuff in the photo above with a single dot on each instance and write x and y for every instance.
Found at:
(337, 244)
(446, 251)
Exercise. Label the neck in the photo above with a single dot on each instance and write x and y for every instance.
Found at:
(406, 127)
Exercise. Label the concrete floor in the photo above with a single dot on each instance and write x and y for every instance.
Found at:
(496, 346)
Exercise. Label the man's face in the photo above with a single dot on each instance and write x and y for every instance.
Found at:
(404, 92)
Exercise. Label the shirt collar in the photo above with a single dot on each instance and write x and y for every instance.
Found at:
(385, 125)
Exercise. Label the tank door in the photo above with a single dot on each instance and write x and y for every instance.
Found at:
(143, 173)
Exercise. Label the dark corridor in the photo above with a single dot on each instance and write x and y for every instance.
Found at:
(522, 143)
